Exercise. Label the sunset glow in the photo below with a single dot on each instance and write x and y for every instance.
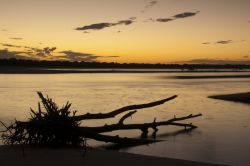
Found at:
(141, 31)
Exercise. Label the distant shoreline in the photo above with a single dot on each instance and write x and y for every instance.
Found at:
(236, 97)
(24, 70)
(212, 77)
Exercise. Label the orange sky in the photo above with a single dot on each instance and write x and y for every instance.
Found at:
(163, 31)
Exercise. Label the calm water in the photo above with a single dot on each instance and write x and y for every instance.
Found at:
(223, 135)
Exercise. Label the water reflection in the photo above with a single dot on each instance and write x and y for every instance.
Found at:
(223, 133)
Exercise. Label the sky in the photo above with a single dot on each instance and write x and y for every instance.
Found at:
(126, 31)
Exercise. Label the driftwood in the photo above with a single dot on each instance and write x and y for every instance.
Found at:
(112, 114)
(60, 126)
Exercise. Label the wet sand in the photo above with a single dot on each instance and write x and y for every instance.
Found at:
(237, 97)
(14, 156)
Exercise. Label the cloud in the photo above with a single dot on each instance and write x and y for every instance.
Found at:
(4, 30)
(177, 16)
(185, 14)
(163, 19)
(215, 61)
(206, 43)
(100, 26)
(149, 5)
(48, 50)
(110, 56)
(10, 45)
(6, 54)
(16, 38)
(224, 42)
(97, 26)
(78, 56)
(45, 52)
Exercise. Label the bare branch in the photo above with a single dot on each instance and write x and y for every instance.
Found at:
(142, 127)
(126, 116)
(112, 114)
(4, 126)
(116, 139)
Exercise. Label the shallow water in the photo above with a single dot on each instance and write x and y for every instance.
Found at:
(224, 129)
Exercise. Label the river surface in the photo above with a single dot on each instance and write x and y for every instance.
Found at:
(223, 133)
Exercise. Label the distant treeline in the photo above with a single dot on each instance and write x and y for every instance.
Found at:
(104, 65)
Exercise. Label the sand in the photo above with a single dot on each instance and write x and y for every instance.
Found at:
(13, 156)
(237, 97)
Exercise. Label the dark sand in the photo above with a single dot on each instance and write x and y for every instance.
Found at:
(237, 97)
(12, 156)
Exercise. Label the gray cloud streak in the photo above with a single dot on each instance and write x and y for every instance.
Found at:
(215, 61)
(10, 45)
(78, 56)
(16, 38)
(149, 5)
(223, 42)
(177, 16)
(6, 54)
(100, 26)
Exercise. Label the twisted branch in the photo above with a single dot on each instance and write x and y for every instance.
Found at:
(142, 127)
(112, 114)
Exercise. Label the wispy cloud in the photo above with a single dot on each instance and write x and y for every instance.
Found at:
(10, 45)
(163, 19)
(223, 42)
(185, 14)
(215, 61)
(42, 53)
(47, 53)
(100, 26)
(32, 51)
(149, 5)
(6, 54)
(4, 30)
(79, 56)
(16, 38)
(206, 43)
(177, 16)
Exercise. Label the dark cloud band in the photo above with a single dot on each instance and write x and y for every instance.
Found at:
(10, 45)
(223, 42)
(149, 5)
(78, 56)
(178, 16)
(100, 26)
(16, 38)
(215, 61)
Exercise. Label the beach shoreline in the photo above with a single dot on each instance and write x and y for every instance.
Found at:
(13, 155)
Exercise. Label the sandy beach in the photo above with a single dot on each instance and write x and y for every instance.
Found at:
(12, 156)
